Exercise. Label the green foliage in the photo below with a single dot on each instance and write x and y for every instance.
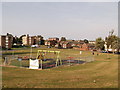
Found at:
(39, 36)
(63, 39)
(15, 40)
(18, 40)
(116, 44)
(110, 39)
(86, 41)
(100, 43)
(42, 42)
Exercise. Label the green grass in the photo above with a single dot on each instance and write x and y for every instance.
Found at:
(103, 70)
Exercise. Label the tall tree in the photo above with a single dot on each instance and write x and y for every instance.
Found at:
(116, 44)
(63, 39)
(99, 44)
(20, 39)
(86, 41)
(15, 40)
(110, 39)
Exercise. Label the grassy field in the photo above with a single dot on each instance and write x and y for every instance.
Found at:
(102, 73)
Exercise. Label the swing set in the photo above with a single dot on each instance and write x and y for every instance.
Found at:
(42, 53)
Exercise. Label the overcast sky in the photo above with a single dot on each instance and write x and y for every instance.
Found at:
(73, 20)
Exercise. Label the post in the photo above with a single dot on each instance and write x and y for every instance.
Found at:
(80, 52)
(41, 63)
(5, 61)
(31, 53)
(56, 63)
(13, 55)
(60, 61)
(69, 62)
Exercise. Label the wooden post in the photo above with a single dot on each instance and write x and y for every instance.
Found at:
(41, 63)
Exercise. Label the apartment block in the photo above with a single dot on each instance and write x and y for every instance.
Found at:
(6, 41)
(31, 40)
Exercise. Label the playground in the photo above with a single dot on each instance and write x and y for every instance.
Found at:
(45, 59)
(68, 69)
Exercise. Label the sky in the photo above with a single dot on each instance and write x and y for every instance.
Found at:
(73, 20)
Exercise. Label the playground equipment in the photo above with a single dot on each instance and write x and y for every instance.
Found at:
(7, 60)
(42, 53)
(46, 59)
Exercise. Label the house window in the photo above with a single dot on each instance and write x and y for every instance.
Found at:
(6, 46)
(6, 38)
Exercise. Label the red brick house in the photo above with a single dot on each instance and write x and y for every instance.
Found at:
(84, 47)
(66, 44)
(50, 43)
(53, 39)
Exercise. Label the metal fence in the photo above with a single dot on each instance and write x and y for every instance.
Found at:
(77, 60)
(15, 60)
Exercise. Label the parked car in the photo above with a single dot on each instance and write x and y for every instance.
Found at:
(34, 46)
(49, 47)
(103, 51)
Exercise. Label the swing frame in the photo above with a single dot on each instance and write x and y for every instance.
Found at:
(41, 52)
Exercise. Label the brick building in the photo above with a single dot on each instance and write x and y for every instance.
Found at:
(51, 41)
(65, 44)
(6, 41)
(31, 40)
(55, 38)
(85, 47)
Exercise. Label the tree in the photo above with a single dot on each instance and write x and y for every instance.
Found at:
(20, 39)
(39, 40)
(99, 43)
(42, 42)
(110, 39)
(86, 41)
(116, 44)
(111, 32)
(15, 39)
(40, 37)
(63, 39)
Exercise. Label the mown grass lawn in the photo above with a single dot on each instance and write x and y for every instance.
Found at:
(102, 73)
